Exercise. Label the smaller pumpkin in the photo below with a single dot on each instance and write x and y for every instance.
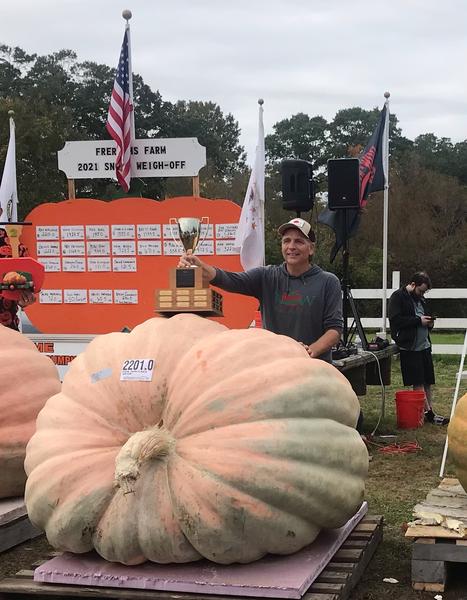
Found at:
(457, 436)
(14, 278)
(28, 379)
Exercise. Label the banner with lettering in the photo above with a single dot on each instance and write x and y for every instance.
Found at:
(104, 260)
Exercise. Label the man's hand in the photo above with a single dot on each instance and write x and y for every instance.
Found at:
(323, 344)
(426, 321)
(26, 299)
(191, 260)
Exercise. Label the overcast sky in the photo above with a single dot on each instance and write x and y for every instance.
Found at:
(312, 56)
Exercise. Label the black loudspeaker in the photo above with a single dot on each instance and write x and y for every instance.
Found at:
(343, 183)
(297, 185)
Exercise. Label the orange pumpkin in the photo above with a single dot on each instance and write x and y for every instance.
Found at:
(28, 378)
(14, 278)
(240, 445)
(457, 436)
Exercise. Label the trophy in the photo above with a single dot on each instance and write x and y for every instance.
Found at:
(188, 292)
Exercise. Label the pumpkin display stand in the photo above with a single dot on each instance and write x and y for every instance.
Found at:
(326, 570)
(439, 532)
(15, 527)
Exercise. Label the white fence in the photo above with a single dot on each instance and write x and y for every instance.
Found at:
(441, 323)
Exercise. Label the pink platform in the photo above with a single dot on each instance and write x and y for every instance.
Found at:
(271, 577)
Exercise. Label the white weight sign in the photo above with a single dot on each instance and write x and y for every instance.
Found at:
(171, 157)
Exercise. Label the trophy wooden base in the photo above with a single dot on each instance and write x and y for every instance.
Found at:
(203, 301)
(188, 293)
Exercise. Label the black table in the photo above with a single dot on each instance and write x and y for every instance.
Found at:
(362, 369)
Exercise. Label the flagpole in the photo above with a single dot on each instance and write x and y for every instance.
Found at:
(261, 182)
(126, 14)
(385, 162)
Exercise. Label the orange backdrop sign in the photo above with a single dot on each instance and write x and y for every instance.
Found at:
(104, 260)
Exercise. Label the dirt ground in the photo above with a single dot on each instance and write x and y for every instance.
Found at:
(24, 556)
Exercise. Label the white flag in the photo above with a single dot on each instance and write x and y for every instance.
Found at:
(8, 191)
(250, 233)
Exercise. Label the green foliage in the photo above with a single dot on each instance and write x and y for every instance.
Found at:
(427, 202)
(57, 99)
(442, 156)
(298, 137)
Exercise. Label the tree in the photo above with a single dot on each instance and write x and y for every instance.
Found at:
(41, 129)
(351, 129)
(70, 101)
(427, 228)
(299, 137)
(441, 155)
(218, 132)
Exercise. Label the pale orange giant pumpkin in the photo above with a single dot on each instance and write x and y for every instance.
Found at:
(241, 445)
(457, 436)
(27, 379)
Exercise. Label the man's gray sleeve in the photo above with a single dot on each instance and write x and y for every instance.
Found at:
(332, 316)
(248, 283)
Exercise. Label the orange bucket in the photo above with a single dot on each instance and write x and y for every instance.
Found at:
(410, 409)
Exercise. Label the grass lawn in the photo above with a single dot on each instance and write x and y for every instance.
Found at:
(447, 337)
(397, 481)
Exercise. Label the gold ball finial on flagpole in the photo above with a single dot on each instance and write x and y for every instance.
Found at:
(260, 101)
(126, 14)
(386, 95)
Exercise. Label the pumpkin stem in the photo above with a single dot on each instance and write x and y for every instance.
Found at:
(154, 443)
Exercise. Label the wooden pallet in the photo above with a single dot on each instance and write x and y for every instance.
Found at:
(15, 527)
(335, 582)
(440, 532)
(429, 561)
(443, 513)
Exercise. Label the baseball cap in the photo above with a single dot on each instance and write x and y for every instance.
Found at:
(299, 224)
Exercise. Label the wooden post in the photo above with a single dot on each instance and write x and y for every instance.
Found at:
(196, 185)
(71, 189)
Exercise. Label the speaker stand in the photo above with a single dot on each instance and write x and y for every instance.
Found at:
(348, 300)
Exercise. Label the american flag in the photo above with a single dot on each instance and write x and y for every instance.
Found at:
(119, 123)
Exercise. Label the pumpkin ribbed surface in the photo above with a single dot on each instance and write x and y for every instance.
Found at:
(28, 378)
(457, 436)
(239, 446)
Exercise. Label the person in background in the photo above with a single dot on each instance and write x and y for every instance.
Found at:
(9, 308)
(297, 299)
(410, 329)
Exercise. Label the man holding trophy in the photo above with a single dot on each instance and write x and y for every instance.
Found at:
(297, 299)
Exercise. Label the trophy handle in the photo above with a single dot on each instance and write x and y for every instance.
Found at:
(173, 221)
(204, 221)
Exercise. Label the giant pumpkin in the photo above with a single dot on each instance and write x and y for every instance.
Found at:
(457, 436)
(27, 379)
(241, 445)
